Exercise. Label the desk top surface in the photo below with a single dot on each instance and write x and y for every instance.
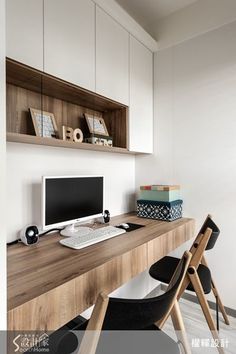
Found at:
(37, 269)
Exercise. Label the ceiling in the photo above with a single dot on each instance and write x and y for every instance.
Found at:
(148, 12)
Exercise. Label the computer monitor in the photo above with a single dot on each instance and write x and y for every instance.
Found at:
(70, 200)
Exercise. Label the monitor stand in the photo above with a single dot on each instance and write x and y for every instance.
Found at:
(73, 230)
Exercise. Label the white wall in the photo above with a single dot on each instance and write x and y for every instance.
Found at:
(2, 173)
(195, 129)
(193, 20)
(27, 163)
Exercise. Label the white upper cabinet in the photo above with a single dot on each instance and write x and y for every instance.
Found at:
(24, 31)
(70, 41)
(112, 58)
(141, 98)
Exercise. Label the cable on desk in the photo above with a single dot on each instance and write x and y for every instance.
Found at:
(13, 242)
(51, 230)
(40, 235)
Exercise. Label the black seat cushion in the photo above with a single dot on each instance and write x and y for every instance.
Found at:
(164, 269)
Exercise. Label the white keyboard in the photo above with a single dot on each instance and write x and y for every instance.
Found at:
(95, 236)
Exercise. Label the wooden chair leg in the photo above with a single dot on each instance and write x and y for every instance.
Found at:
(193, 276)
(216, 294)
(217, 315)
(220, 304)
(94, 327)
(179, 327)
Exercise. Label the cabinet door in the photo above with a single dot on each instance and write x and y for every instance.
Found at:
(112, 58)
(24, 31)
(70, 41)
(141, 98)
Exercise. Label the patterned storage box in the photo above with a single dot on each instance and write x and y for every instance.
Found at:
(167, 211)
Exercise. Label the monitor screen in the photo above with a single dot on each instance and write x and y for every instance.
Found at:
(69, 199)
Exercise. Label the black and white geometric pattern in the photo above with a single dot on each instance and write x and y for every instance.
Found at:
(160, 210)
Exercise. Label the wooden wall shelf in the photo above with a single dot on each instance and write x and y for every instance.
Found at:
(34, 80)
(30, 88)
(31, 139)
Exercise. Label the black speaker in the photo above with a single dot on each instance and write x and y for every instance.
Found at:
(106, 216)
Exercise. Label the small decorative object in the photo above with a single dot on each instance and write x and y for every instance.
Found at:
(44, 123)
(99, 140)
(70, 134)
(78, 135)
(96, 125)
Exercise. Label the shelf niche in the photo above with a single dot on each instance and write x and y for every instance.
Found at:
(29, 88)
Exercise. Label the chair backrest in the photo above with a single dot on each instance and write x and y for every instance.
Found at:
(215, 232)
(208, 224)
(197, 251)
(136, 314)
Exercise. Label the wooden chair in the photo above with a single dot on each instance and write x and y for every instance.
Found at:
(215, 233)
(198, 277)
(124, 316)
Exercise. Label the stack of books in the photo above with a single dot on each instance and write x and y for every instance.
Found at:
(160, 202)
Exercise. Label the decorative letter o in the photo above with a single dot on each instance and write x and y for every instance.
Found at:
(75, 135)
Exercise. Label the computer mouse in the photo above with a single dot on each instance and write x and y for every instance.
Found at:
(125, 226)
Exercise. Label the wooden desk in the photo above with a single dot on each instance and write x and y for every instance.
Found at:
(48, 284)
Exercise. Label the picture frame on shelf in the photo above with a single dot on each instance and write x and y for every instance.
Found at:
(96, 125)
(44, 123)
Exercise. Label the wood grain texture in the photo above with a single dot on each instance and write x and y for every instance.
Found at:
(34, 80)
(179, 327)
(53, 309)
(19, 120)
(168, 241)
(30, 88)
(35, 140)
(45, 312)
(48, 284)
(117, 125)
(18, 103)
(94, 327)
